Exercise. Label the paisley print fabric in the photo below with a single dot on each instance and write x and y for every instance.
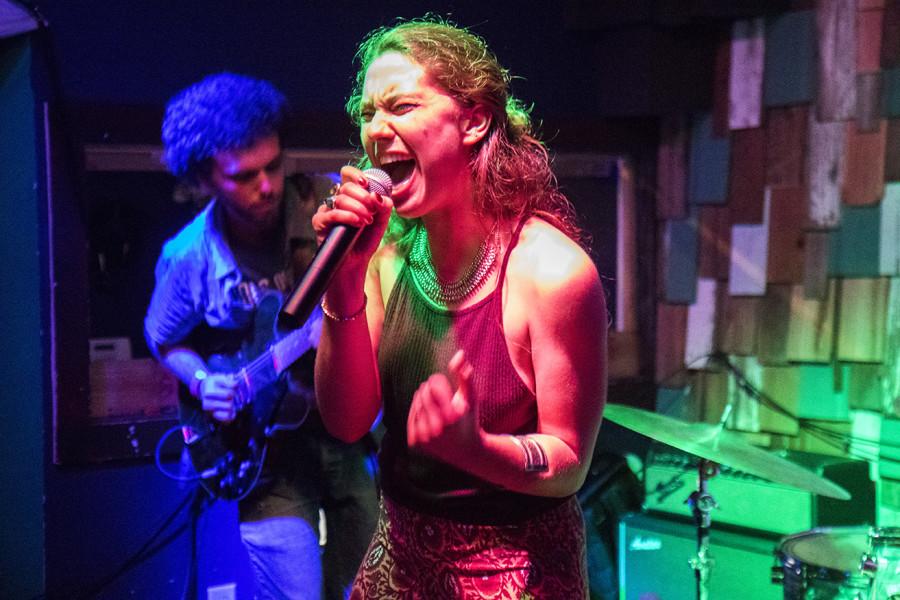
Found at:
(414, 556)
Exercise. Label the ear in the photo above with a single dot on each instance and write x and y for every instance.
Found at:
(475, 123)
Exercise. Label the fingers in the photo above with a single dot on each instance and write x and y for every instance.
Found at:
(461, 371)
(352, 205)
(218, 395)
(430, 412)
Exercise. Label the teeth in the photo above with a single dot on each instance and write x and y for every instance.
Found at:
(389, 159)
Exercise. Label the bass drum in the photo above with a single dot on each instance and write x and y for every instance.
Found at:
(824, 564)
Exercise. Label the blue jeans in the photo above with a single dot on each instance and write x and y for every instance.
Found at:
(308, 470)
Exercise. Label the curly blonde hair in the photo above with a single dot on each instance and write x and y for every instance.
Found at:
(510, 166)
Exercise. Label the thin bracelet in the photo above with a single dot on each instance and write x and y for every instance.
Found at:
(533, 452)
(341, 319)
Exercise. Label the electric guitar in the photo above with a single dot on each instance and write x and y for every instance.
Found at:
(228, 457)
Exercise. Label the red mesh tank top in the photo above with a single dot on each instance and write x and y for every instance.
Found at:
(419, 339)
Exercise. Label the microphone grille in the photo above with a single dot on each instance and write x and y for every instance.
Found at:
(379, 181)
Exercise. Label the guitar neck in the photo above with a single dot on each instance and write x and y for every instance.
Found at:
(289, 349)
(295, 344)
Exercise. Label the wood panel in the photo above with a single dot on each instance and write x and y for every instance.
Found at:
(869, 25)
(745, 415)
(890, 36)
(863, 182)
(748, 175)
(868, 102)
(786, 139)
(677, 402)
(709, 163)
(866, 430)
(671, 173)
(774, 320)
(781, 385)
(790, 65)
(822, 393)
(825, 168)
(836, 28)
(785, 258)
(749, 246)
(811, 328)
(889, 234)
(889, 465)
(745, 83)
(131, 388)
(671, 329)
(736, 329)
(680, 256)
(701, 324)
(715, 242)
(892, 151)
(891, 386)
(865, 386)
(871, 4)
(855, 246)
(807, 441)
(815, 264)
(711, 392)
(720, 82)
(862, 322)
(890, 85)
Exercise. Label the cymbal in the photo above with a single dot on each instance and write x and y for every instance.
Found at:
(722, 446)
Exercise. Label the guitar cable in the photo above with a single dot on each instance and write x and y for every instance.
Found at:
(157, 456)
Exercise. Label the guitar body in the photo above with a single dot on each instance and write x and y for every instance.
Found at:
(229, 456)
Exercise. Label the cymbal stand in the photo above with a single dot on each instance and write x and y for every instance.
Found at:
(702, 503)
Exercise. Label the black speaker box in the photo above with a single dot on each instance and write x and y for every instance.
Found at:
(655, 554)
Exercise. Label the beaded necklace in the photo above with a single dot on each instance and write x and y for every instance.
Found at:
(450, 292)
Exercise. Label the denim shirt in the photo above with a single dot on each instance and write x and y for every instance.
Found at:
(196, 280)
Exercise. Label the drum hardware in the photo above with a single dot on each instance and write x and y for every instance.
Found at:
(702, 504)
(823, 563)
(881, 562)
(716, 445)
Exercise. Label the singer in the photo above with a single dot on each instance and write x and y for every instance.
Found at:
(214, 282)
(468, 311)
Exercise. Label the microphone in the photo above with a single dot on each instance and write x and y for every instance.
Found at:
(306, 295)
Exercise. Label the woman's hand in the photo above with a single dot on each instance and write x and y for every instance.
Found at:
(443, 421)
(353, 205)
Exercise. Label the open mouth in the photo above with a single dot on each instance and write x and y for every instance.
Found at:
(400, 170)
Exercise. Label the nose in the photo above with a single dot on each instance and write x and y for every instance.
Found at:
(265, 182)
(378, 127)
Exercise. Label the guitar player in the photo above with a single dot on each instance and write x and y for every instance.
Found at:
(222, 135)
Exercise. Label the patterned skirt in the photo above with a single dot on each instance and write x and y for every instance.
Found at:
(414, 556)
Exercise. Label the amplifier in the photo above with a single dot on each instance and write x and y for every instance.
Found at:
(748, 501)
(654, 562)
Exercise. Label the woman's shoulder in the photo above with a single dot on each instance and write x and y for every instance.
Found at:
(549, 255)
(554, 274)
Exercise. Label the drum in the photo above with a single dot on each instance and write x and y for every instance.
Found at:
(882, 563)
(824, 564)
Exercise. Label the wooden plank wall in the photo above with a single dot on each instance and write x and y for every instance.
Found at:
(779, 212)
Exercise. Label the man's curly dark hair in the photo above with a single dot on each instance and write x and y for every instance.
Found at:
(221, 112)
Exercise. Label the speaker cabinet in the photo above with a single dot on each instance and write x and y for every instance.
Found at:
(655, 554)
